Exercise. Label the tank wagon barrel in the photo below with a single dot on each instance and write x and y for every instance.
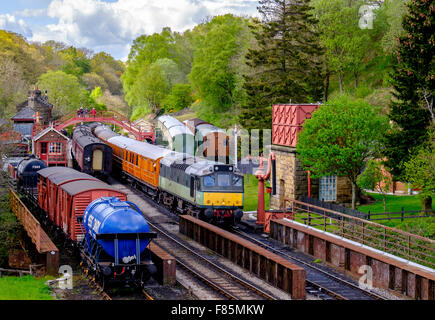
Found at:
(117, 235)
(27, 175)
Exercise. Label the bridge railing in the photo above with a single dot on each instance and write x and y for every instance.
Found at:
(394, 241)
(29, 222)
(105, 115)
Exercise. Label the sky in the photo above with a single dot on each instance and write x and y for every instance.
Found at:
(110, 25)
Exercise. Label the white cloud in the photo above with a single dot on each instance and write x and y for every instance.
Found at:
(96, 24)
(28, 13)
(10, 23)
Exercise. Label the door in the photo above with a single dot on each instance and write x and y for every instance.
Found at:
(43, 151)
(97, 160)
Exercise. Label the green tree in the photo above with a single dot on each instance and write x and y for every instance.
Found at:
(152, 88)
(375, 178)
(110, 70)
(65, 91)
(77, 62)
(13, 87)
(344, 41)
(179, 98)
(394, 11)
(216, 75)
(340, 137)
(413, 81)
(285, 63)
(145, 51)
(420, 171)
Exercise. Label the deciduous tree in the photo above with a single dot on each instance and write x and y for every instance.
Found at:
(340, 137)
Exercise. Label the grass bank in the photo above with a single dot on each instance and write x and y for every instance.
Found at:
(24, 288)
(251, 194)
(422, 226)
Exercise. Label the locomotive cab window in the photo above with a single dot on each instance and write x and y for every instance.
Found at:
(209, 181)
(223, 180)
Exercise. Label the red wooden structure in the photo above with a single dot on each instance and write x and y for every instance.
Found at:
(111, 117)
(50, 146)
(287, 121)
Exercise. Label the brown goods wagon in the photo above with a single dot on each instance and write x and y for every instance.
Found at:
(55, 182)
(43, 184)
(75, 196)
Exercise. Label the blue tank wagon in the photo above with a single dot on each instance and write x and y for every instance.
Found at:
(27, 174)
(116, 236)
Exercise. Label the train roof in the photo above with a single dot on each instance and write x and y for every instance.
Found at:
(143, 148)
(174, 126)
(83, 136)
(207, 128)
(191, 165)
(62, 177)
(76, 187)
(104, 132)
(55, 170)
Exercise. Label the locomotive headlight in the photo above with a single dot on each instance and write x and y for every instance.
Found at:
(88, 159)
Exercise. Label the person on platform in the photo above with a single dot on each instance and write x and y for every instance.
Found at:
(81, 112)
(93, 112)
(86, 112)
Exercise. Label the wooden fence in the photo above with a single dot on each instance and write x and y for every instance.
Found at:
(29, 222)
(397, 242)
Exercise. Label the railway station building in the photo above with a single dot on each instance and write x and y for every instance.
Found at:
(50, 146)
(292, 181)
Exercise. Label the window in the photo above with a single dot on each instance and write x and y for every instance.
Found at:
(55, 147)
(237, 180)
(223, 180)
(328, 188)
(209, 181)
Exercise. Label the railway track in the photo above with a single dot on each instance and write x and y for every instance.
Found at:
(221, 280)
(321, 283)
(317, 278)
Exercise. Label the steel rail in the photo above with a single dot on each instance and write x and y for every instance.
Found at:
(330, 292)
(247, 285)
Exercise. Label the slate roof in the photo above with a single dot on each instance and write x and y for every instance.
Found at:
(25, 114)
(46, 130)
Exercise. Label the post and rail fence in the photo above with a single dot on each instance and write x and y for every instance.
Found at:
(403, 244)
(402, 215)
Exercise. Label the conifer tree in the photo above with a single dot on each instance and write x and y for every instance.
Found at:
(286, 63)
(413, 81)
